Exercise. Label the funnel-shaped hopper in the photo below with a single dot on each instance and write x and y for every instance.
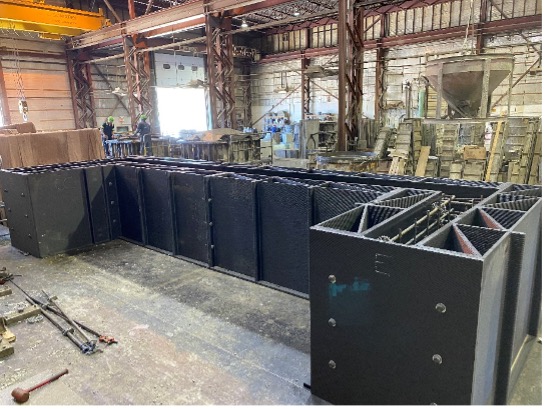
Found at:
(462, 80)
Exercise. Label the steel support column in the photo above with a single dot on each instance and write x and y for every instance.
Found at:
(380, 70)
(220, 72)
(81, 86)
(351, 59)
(247, 95)
(305, 89)
(478, 29)
(137, 70)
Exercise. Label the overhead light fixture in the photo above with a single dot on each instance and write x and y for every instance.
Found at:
(244, 24)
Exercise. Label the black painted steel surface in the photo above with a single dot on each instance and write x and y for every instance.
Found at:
(446, 320)
(191, 216)
(285, 208)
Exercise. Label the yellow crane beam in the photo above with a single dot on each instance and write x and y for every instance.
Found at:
(49, 21)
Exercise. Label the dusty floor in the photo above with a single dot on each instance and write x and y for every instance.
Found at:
(187, 335)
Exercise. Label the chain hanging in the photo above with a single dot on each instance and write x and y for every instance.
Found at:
(23, 107)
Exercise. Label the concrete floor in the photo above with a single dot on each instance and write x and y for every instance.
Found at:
(187, 335)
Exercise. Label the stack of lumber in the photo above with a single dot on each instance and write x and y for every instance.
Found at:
(23, 127)
(43, 148)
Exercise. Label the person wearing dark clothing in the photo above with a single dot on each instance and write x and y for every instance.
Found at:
(108, 128)
(107, 131)
(145, 133)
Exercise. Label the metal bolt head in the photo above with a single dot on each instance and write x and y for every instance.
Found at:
(332, 322)
(332, 278)
(332, 364)
(441, 308)
(437, 359)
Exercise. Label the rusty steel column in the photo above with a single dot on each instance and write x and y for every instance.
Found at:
(81, 87)
(380, 70)
(220, 71)
(351, 60)
(137, 71)
(480, 39)
(305, 89)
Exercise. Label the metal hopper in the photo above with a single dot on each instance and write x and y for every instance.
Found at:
(467, 82)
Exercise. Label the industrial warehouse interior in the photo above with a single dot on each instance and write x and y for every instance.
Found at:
(270, 202)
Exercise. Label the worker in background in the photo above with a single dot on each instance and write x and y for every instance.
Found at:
(107, 131)
(145, 133)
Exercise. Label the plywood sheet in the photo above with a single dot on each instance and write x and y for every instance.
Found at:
(474, 152)
(50, 147)
(423, 159)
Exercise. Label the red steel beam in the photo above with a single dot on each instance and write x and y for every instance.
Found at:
(188, 14)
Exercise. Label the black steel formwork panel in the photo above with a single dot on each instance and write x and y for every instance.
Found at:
(61, 214)
(191, 216)
(378, 335)
(526, 309)
(130, 203)
(17, 199)
(157, 208)
(334, 199)
(98, 205)
(285, 209)
(111, 192)
(58, 203)
(233, 220)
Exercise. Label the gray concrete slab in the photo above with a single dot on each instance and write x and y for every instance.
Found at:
(188, 335)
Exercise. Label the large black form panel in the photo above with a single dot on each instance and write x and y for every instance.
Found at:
(191, 216)
(422, 290)
(157, 208)
(285, 208)
(233, 219)
(130, 203)
(445, 321)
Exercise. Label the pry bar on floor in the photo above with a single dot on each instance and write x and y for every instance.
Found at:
(87, 348)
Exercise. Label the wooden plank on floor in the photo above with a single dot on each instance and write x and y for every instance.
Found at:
(423, 159)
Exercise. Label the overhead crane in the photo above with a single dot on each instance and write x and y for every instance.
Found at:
(51, 22)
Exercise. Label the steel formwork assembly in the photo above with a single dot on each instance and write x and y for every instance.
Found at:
(422, 290)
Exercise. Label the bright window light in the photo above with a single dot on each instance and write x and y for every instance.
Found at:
(181, 109)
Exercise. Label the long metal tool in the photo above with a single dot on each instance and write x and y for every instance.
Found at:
(86, 348)
(102, 338)
(70, 320)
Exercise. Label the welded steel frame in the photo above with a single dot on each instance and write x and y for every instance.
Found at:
(305, 89)
(81, 87)
(351, 60)
(137, 71)
(220, 71)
